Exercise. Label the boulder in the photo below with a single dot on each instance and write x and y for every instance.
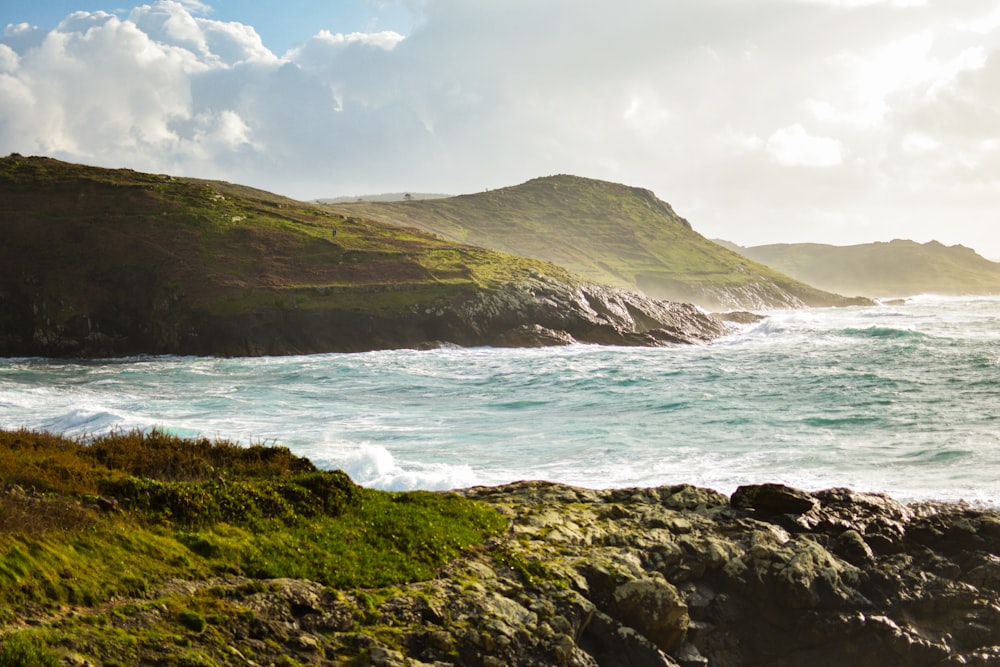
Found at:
(654, 608)
(773, 499)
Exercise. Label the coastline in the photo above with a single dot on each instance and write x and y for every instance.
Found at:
(668, 576)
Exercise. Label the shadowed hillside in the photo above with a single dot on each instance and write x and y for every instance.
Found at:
(99, 262)
(899, 268)
(605, 232)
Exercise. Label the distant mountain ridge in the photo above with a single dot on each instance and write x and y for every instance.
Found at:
(606, 232)
(898, 268)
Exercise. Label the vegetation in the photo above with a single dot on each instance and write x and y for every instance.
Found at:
(896, 269)
(606, 232)
(120, 262)
(83, 524)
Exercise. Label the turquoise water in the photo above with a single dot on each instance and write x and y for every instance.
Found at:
(901, 399)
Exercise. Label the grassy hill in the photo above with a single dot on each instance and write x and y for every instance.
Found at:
(606, 232)
(98, 262)
(895, 269)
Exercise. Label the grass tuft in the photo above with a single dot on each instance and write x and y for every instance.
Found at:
(82, 523)
(25, 649)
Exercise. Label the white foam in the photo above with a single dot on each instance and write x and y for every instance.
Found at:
(83, 421)
(374, 466)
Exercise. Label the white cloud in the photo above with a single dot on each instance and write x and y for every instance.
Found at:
(225, 130)
(168, 22)
(917, 144)
(866, 3)
(386, 39)
(874, 111)
(792, 146)
(9, 60)
(646, 112)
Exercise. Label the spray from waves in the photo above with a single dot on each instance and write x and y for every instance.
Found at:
(374, 466)
(792, 399)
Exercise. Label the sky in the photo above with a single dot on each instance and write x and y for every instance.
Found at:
(760, 121)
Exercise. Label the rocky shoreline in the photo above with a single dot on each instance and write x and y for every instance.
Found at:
(676, 575)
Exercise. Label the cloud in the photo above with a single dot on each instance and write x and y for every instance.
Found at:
(792, 146)
(751, 118)
(169, 23)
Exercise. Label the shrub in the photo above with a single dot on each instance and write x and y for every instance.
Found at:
(23, 650)
(192, 620)
(240, 502)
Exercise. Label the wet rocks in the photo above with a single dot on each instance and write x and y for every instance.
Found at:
(659, 577)
(775, 576)
(773, 498)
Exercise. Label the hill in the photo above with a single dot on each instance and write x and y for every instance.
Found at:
(608, 233)
(98, 262)
(895, 269)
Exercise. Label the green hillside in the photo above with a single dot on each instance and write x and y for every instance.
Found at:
(895, 269)
(606, 232)
(102, 262)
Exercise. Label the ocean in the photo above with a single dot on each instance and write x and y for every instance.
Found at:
(901, 399)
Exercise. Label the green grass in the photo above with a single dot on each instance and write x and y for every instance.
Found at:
(137, 509)
(25, 649)
(605, 232)
(898, 268)
(159, 260)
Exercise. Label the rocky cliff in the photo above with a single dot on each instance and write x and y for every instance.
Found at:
(536, 312)
(655, 577)
(98, 262)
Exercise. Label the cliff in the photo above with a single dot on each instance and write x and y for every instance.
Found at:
(98, 262)
(282, 564)
(608, 233)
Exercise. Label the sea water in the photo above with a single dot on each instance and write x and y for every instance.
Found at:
(903, 399)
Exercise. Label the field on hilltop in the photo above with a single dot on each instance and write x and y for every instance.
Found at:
(607, 233)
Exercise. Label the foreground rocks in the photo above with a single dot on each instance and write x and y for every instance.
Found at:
(659, 577)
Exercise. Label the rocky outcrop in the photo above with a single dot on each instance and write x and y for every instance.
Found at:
(539, 312)
(98, 262)
(544, 311)
(754, 294)
(659, 577)
(772, 576)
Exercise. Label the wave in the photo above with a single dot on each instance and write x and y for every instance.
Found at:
(375, 467)
(833, 422)
(934, 455)
(82, 421)
(881, 332)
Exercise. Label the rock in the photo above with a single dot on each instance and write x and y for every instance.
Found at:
(740, 317)
(615, 645)
(879, 519)
(106, 504)
(655, 609)
(657, 577)
(532, 335)
(774, 499)
(850, 546)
